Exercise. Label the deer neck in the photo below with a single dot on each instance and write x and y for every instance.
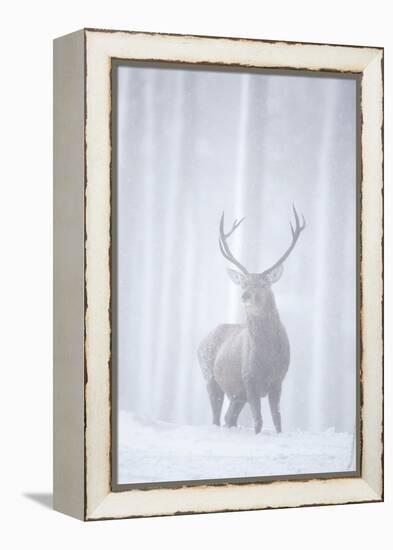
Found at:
(266, 321)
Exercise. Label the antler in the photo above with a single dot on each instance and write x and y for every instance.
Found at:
(222, 241)
(295, 235)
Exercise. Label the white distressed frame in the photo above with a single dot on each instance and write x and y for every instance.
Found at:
(100, 47)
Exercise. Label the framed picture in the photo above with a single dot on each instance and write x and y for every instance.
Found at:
(218, 274)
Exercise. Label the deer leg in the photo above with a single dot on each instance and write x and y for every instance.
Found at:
(216, 399)
(254, 401)
(234, 409)
(274, 402)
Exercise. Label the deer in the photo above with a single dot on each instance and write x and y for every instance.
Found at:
(247, 362)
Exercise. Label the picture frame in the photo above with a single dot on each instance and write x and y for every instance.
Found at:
(84, 286)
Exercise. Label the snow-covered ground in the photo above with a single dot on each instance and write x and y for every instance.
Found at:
(158, 451)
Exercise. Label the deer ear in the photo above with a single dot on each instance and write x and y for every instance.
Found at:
(237, 278)
(275, 274)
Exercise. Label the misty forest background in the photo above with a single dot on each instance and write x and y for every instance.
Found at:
(190, 144)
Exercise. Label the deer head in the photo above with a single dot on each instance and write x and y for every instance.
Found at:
(257, 293)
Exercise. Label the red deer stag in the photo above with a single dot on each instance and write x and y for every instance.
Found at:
(247, 362)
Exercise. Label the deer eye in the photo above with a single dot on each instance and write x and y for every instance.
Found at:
(246, 296)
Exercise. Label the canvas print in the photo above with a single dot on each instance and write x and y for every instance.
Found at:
(235, 331)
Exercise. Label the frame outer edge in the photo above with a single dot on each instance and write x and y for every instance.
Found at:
(68, 271)
(372, 274)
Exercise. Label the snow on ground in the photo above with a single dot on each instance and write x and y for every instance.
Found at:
(159, 451)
